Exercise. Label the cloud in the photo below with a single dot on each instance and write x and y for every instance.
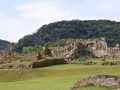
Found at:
(31, 16)
(104, 5)
(2, 15)
(102, 9)
(12, 29)
(111, 5)
(45, 11)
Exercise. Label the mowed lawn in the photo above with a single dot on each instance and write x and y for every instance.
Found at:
(58, 77)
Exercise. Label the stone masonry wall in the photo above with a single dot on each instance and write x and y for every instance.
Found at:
(90, 48)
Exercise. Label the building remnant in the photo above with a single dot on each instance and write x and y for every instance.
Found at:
(76, 48)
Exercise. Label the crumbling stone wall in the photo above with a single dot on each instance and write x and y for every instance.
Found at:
(74, 48)
(46, 62)
(89, 48)
(6, 58)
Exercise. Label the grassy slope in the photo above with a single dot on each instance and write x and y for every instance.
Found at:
(59, 77)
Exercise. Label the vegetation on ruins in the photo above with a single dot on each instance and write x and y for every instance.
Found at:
(61, 42)
(30, 49)
(82, 60)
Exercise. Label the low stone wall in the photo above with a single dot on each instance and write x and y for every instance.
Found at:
(5, 58)
(101, 80)
(46, 62)
(18, 66)
(110, 63)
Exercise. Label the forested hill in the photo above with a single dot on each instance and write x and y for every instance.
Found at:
(74, 29)
(3, 44)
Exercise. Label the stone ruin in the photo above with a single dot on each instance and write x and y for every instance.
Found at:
(6, 58)
(46, 62)
(76, 48)
(102, 80)
(9, 58)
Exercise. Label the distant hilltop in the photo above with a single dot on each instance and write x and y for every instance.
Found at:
(3, 44)
(76, 29)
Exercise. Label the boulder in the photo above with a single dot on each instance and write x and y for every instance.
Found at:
(101, 80)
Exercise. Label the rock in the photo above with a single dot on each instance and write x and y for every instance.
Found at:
(10, 66)
(38, 56)
(109, 63)
(21, 66)
(102, 80)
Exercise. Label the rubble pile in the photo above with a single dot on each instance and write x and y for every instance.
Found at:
(101, 80)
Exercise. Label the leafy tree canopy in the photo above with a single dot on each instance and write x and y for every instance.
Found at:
(4, 45)
(76, 29)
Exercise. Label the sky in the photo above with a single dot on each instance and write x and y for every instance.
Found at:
(22, 17)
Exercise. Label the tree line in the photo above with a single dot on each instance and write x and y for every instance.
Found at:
(76, 29)
(4, 45)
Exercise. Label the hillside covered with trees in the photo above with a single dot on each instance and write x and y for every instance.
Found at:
(76, 29)
(3, 44)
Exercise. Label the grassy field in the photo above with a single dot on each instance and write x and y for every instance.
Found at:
(58, 77)
(95, 88)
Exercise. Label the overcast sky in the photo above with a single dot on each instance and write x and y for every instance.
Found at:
(22, 17)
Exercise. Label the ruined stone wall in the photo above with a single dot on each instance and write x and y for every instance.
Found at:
(90, 48)
(6, 58)
(71, 49)
(46, 62)
(74, 48)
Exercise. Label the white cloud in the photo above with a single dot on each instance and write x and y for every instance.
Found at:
(2, 14)
(111, 5)
(31, 17)
(105, 5)
(102, 9)
(12, 29)
(45, 11)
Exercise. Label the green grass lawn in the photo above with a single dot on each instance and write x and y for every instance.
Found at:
(95, 88)
(58, 77)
